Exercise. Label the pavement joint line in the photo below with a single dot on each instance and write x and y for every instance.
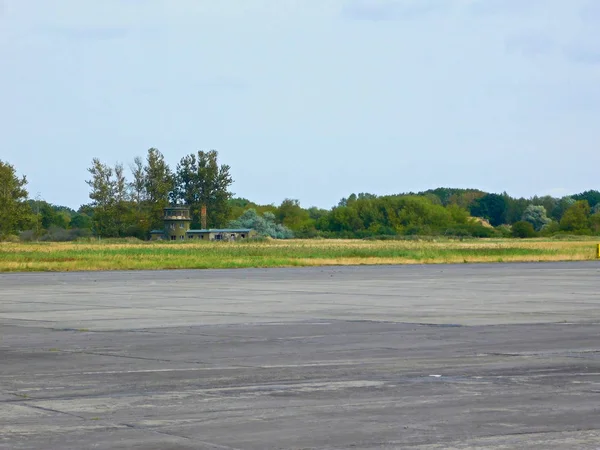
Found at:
(26, 403)
(127, 356)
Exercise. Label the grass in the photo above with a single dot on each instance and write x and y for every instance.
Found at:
(115, 255)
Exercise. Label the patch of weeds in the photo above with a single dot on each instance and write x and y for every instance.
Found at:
(53, 349)
(18, 394)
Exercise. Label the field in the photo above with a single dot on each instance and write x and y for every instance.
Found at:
(123, 255)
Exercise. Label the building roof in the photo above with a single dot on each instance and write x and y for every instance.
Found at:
(222, 230)
(157, 232)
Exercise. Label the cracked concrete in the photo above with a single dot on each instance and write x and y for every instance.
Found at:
(464, 356)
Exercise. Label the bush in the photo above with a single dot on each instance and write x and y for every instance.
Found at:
(504, 230)
(56, 234)
(27, 236)
(523, 229)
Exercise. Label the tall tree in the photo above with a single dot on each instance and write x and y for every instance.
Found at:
(138, 184)
(120, 183)
(592, 197)
(102, 194)
(121, 208)
(102, 184)
(492, 207)
(201, 181)
(577, 218)
(15, 212)
(536, 216)
(158, 185)
(293, 216)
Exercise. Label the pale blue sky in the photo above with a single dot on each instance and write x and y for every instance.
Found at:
(307, 99)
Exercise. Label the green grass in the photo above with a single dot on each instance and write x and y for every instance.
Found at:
(117, 255)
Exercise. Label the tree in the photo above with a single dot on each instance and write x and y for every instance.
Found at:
(201, 181)
(576, 218)
(158, 184)
(595, 222)
(592, 197)
(120, 183)
(536, 216)
(15, 212)
(291, 214)
(81, 221)
(102, 185)
(264, 226)
(560, 207)
(137, 186)
(102, 194)
(515, 208)
(492, 207)
(523, 229)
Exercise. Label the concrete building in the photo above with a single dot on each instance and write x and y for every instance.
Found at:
(177, 222)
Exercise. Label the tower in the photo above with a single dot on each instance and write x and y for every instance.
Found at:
(177, 222)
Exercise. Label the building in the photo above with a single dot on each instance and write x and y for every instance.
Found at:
(177, 223)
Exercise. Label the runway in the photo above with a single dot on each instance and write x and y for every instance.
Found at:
(421, 357)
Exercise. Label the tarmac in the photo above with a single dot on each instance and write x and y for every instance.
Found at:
(496, 356)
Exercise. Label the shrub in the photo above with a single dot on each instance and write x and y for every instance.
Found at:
(504, 230)
(523, 229)
(27, 236)
(536, 216)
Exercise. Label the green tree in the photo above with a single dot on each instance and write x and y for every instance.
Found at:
(15, 212)
(595, 222)
(523, 229)
(137, 186)
(576, 219)
(264, 225)
(291, 214)
(158, 184)
(201, 181)
(536, 216)
(515, 208)
(592, 197)
(50, 217)
(102, 194)
(81, 221)
(102, 185)
(492, 207)
(560, 208)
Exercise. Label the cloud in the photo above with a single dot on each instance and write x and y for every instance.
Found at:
(380, 10)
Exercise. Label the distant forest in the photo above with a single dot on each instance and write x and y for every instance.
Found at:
(120, 207)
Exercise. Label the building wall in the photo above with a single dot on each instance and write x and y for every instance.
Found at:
(210, 236)
(176, 229)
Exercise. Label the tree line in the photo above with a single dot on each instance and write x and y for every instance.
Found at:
(129, 203)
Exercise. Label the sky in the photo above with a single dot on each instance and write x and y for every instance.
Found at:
(306, 99)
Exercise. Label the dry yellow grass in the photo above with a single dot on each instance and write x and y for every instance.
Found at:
(166, 255)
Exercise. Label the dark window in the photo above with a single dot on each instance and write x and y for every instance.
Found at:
(173, 238)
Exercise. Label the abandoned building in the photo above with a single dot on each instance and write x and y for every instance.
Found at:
(177, 222)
